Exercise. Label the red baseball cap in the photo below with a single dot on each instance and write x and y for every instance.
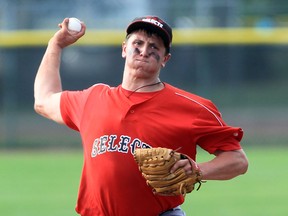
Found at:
(154, 24)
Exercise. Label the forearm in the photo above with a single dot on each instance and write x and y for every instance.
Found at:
(48, 79)
(226, 165)
(47, 83)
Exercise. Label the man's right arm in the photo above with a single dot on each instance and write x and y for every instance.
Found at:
(47, 85)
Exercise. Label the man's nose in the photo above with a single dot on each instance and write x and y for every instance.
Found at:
(144, 51)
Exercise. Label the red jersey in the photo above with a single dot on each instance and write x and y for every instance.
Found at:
(113, 124)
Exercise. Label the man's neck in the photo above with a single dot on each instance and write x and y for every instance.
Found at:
(143, 85)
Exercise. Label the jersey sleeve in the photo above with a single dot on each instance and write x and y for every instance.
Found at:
(72, 105)
(213, 133)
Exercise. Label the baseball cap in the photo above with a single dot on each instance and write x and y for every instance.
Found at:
(154, 24)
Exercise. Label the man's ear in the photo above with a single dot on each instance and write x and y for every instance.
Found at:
(166, 59)
(124, 46)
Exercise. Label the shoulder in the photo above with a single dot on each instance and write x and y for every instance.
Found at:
(99, 87)
(189, 97)
(187, 100)
(80, 97)
(96, 88)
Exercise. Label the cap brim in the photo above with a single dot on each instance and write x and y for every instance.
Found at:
(150, 27)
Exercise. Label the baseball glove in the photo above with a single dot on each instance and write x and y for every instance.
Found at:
(155, 165)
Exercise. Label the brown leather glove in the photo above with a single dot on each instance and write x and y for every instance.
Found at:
(155, 165)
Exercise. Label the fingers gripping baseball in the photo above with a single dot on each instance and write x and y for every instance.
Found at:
(64, 37)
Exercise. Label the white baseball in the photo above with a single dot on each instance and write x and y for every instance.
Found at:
(74, 24)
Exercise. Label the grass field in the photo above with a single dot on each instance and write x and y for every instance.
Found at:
(46, 183)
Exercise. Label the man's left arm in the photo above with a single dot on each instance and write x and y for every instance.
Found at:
(226, 165)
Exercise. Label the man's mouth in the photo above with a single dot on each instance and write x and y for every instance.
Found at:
(142, 60)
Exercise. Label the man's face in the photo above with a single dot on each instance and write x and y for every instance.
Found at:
(144, 53)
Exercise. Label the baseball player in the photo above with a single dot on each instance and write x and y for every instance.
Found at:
(142, 112)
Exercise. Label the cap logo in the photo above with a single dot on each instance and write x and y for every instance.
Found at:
(153, 21)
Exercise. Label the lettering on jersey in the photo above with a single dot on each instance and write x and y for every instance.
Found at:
(111, 146)
(134, 144)
(102, 144)
(124, 140)
(108, 143)
(94, 148)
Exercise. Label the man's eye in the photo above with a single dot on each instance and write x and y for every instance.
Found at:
(137, 42)
(154, 47)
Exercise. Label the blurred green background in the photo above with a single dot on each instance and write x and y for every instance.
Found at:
(232, 52)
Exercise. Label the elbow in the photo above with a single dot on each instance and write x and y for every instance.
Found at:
(39, 108)
(243, 164)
